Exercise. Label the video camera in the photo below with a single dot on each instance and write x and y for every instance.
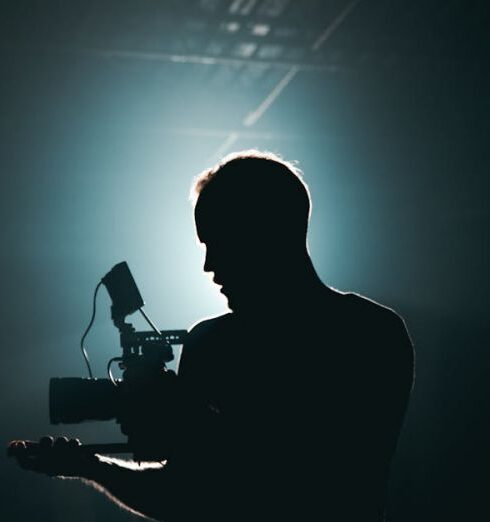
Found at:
(145, 378)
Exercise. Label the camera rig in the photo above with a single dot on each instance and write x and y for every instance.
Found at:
(145, 377)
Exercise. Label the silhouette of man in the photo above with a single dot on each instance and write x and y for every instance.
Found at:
(292, 403)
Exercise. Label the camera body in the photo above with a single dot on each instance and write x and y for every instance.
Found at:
(145, 383)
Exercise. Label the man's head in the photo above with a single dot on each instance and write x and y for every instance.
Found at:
(251, 212)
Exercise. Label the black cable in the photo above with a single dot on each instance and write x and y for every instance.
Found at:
(84, 352)
(109, 371)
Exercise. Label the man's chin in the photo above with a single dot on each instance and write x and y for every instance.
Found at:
(231, 303)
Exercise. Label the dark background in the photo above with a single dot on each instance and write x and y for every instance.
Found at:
(109, 109)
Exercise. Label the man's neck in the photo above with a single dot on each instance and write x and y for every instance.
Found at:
(294, 285)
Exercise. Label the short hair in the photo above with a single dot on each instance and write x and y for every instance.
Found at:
(266, 190)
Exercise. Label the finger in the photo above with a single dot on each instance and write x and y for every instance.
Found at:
(74, 443)
(61, 442)
(17, 444)
(46, 442)
(15, 447)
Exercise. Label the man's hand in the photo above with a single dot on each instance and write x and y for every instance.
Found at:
(60, 457)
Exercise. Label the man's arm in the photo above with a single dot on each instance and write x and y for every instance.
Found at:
(144, 489)
(152, 490)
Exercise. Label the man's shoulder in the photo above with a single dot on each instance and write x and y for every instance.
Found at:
(372, 325)
(209, 326)
(206, 334)
(357, 308)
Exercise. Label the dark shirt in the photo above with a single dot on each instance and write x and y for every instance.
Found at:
(295, 414)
